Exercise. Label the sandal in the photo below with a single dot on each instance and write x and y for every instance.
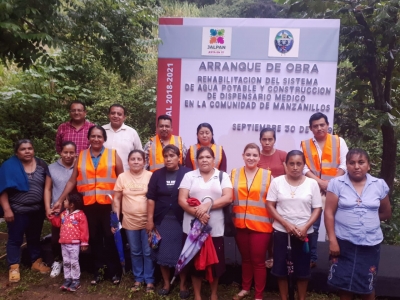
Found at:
(136, 287)
(116, 280)
(96, 280)
(163, 292)
(150, 289)
(184, 294)
(241, 295)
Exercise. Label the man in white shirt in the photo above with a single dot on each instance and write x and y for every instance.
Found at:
(121, 137)
(325, 159)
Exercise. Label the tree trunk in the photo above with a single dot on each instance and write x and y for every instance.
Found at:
(389, 147)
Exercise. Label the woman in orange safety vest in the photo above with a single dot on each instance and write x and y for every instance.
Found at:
(205, 138)
(94, 176)
(252, 220)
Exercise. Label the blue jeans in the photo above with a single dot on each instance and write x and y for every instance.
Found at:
(142, 264)
(29, 225)
(313, 239)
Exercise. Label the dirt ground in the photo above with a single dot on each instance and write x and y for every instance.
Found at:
(37, 286)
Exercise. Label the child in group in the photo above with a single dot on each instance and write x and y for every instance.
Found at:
(74, 235)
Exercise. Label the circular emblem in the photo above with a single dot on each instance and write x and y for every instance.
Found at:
(284, 41)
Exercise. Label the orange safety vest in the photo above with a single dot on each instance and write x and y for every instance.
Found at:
(326, 166)
(156, 159)
(215, 148)
(96, 184)
(249, 205)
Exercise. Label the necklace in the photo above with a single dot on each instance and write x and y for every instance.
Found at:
(292, 192)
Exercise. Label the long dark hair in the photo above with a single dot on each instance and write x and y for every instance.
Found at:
(357, 151)
(268, 129)
(20, 142)
(205, 148)
(207, 125)
(172, 148)
(141, 152)
(97, 127)
(294, 153)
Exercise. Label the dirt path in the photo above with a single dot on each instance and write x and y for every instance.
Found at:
(37, 286)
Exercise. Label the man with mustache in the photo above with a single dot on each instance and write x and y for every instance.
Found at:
(76, 129)
(163, 137)
(325, 159)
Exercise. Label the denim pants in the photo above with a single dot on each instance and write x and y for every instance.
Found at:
(142, 264)
(30, 225)
(313, 239)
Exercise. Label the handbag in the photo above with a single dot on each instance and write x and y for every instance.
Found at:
(230, 229)
(154, 239)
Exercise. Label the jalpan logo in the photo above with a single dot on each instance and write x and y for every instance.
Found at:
(217, 36)
(284, 42)
(216, 41)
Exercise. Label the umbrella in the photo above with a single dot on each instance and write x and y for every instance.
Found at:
(289, 265)
(115, 223)
(194, 241)
(206, 258)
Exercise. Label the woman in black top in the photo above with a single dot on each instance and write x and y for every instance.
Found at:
(22, 181)
(164, 213)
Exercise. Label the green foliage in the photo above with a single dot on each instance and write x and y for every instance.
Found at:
(367, 102)
(242, 9)
(116, 32)
(25, 28)
(179, 9)
(35, 102)
(199, 2)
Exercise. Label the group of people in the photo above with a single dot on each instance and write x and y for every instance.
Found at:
(276, 199)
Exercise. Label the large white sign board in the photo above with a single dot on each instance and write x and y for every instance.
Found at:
(241, 75)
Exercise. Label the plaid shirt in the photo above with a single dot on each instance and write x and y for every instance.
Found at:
(67, 132)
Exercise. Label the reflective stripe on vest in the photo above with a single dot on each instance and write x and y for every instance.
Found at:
(156, 159)
(95, 184)
(249, 205)
(326, 167)
(217, 153)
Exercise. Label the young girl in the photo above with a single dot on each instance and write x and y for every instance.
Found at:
(74, 234)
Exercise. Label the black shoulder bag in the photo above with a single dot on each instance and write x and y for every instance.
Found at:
(230, 229)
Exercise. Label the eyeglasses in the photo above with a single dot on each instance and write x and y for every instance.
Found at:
(76, 110)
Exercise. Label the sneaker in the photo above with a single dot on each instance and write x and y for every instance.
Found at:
(75, 285)
(55, 269)
(66, 284)
(13, 273)
(40, 266)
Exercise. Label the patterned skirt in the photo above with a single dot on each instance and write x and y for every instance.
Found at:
(356, 268)
(170, 247)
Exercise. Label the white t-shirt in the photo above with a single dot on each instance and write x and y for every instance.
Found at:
(124, 140)
(296, 210)
(198, 189)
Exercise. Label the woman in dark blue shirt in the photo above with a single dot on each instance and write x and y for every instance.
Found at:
(166, 215)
